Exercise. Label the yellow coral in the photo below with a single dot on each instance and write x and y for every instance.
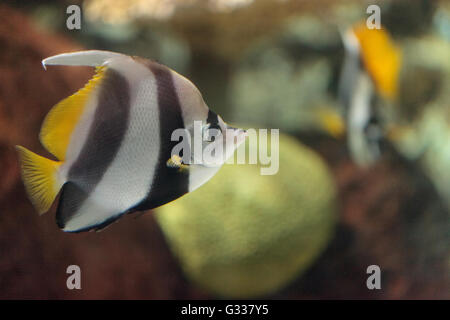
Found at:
(243, 234)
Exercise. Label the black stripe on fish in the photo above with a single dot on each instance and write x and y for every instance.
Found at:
(168, 183)
(72, 196)
(104, 139)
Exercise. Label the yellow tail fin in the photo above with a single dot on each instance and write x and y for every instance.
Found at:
(40, 178)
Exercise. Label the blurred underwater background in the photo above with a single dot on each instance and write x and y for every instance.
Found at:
(349, 193)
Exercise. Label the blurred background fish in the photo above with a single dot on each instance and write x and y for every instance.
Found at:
(370, 73)
(351, 191)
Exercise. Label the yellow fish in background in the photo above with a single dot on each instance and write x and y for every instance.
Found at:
(330, 119)
(370, 73)
(113, 142)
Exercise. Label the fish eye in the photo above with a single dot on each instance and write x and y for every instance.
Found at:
(209, 135)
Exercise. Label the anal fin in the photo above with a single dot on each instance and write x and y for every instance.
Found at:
(78, 212)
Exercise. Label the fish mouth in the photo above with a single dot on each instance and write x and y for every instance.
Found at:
(241, 132)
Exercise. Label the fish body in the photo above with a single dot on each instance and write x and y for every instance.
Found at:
(113, 141)
(369, 75)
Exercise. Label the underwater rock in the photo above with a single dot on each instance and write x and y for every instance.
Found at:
(423, 106)
(425, 75)
(276, 91)
(303, 30)
(441, 21)
(408, 18)
(244, 234)
(26, 89)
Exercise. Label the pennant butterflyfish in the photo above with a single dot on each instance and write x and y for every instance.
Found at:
(370, 74)
(113, 142)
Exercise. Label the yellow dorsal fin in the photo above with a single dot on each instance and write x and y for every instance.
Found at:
(40, 177)
(61, 120)
(381, 58)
